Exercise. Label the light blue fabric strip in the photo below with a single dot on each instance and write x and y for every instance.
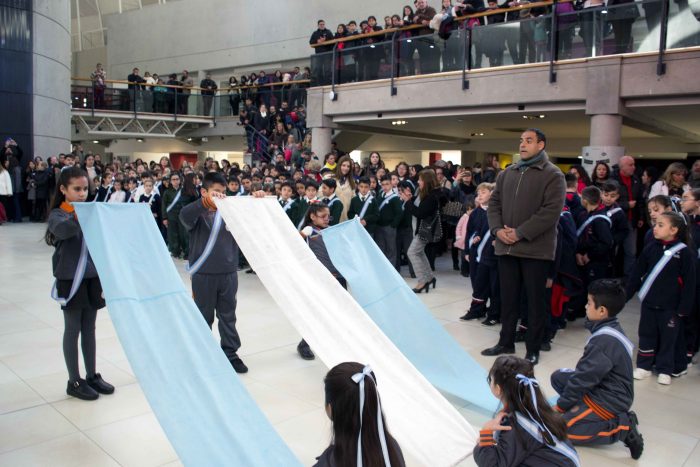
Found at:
(395, 308)
(207, 414)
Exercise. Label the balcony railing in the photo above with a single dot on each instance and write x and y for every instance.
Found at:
(534, 33)
(178, 101)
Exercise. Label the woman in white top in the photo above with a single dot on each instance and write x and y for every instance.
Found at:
(672, 183)
(118, 194)
(346, 184)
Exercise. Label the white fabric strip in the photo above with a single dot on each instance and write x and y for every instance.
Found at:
(426, 425)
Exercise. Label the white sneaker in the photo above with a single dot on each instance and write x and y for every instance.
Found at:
(664, 379)
(679, 374)
(641, 373)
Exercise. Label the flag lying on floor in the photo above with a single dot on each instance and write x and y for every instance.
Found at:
(401, 315)
(207, 414)
(425, 424)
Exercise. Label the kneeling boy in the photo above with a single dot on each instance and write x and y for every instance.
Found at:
(596, 397)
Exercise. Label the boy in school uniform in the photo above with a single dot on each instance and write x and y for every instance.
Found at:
(233, 188)
(390, 214)
(328, 187)
(595, 238)
(364, 206)
(287, 203)
(595, 398)
(404, 233)
(573, 200)
(482, 262)
(214, 269)
(172, 204)
(610, 193)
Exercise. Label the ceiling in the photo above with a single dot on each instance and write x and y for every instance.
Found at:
(87, 30)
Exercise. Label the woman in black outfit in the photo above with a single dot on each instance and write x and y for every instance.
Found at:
(425, 206)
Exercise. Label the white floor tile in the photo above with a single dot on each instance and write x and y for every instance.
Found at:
(74, 450)
(32, 426)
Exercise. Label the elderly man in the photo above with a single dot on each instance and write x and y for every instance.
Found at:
(523, 214)
(631, 201)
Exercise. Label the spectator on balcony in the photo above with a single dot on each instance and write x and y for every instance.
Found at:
(172, 96)
(322, 64)
(341, 32)
(161, 97)
(263, 88)
(428, 54)
(187, 84)
(591, 17)
(234, 95)
(149, 82)
(135, 87)
(297, 96)
(209, 88)
(495, 43)
(99, 83)
(450, 52)
(622, 14)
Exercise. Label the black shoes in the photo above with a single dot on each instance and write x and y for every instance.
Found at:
(305, 351)
(546, 346)
(100, 385)
(497, 350)
(426, 287)
(634, 440)
(470, 315)
(533, 357)
(490, 322)
(239, 366)
(81, 390)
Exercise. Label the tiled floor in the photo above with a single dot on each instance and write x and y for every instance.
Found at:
(40, 425)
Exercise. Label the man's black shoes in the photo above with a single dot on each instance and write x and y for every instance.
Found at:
(497, 350)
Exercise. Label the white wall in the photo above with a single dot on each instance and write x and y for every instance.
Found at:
(226, 35)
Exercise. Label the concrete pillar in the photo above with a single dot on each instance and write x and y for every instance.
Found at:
(321, 141)
(604, 145)
(51, 76)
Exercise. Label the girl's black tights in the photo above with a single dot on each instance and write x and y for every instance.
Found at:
(79, 322)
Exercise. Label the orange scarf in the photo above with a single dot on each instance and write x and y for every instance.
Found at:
(68, 207)
(208, 203)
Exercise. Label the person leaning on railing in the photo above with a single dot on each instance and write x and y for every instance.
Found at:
(323, 62)
(428, 54)
(209, 88)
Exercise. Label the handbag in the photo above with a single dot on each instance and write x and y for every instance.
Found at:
(453, 209)
(430, 229)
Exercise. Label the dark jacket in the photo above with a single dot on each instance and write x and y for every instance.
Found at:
(530, 200)
(637, 195)
(206, 83)
(428, 207)
(517, 447)
(154, 204)
(603, 373)
(199, 221)
(371, 215)
(335, 206)
(326, 458)
(424, 15)
(42, 184)
(69, 239)
(390, 215)
(620, 224)
(317, 34)
(674, 287)
(596, 240)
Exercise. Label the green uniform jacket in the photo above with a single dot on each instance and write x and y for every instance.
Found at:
(371, 215)
(168, 198)
(391, 214)
(336, 208)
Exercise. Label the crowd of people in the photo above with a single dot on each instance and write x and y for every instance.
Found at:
(179, 94)
(365, 58)
(541, 248)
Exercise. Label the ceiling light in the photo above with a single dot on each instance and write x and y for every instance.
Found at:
(533, 117)
(140, 140)
(478, 134)
(399, 122)
(189, 139)
(95, 141)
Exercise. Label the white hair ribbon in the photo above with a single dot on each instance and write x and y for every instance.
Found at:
(532, 383)
(359, 378)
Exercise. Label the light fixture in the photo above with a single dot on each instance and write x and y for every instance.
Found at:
(399, 122)
(95, 141)
(409, 41)
(139, 140)
(534, 117)
(189, 139)
(478, 134)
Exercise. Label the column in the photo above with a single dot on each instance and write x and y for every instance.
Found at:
(321, 141)
(604, 144)
(51, 77)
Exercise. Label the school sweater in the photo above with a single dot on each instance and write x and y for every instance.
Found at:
(153, 202)
(389, 215)
(674, 287)
(596, 240)
(69, 238)
(478, 221)
(168, 197)
(517, 447)
(198, 220)
(371, 215)
(603, 373)
(103, 193)
(620, 224)
(336, 207)
(290, 209)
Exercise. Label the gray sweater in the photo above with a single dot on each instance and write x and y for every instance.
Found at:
(198, 220)
(69, 239)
